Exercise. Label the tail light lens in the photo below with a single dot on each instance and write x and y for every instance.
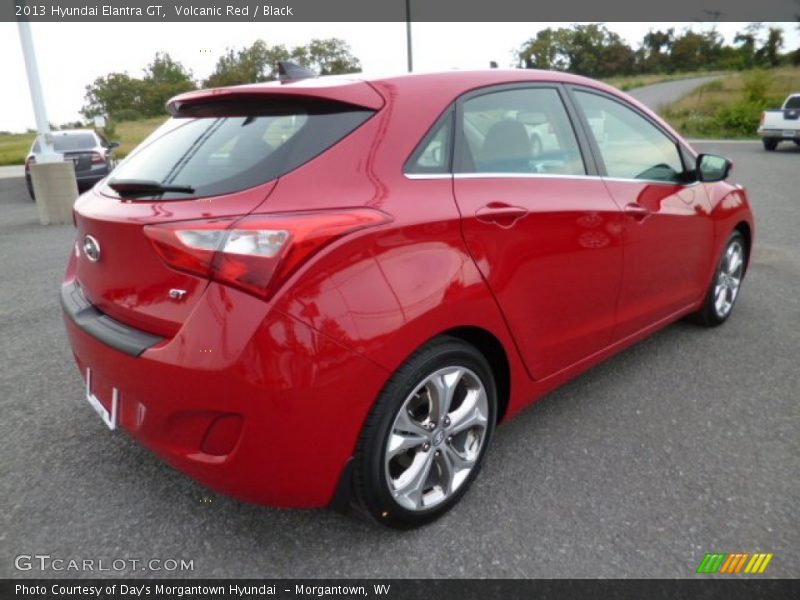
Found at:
(98, 159)
(28, 163)
(256, 253)
(763, 116)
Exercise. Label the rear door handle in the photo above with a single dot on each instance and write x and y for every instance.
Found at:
(501, 214)
(636, 211)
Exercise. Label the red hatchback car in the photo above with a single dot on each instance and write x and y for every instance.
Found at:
(330, 291)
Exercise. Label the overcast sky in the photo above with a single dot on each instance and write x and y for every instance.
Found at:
(72, 55)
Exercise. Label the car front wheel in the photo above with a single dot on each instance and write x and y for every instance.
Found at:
(726, 283)
(423, 442)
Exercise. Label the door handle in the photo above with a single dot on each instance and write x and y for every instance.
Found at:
(637, 211)
(501, 214)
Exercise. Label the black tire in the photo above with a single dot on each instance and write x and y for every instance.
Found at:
(29, 185)
(708, 315)
(371, 483)
(797, 142)
(770, 144)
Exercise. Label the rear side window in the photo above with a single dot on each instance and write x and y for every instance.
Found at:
(223, 147)
(523, 131)
(433, 153)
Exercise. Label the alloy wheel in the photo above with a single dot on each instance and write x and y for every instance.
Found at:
(729, 278)
(436, 438)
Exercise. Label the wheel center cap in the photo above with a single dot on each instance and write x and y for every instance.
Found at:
(438, 437)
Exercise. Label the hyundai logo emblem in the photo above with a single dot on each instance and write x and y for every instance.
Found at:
(91, 248)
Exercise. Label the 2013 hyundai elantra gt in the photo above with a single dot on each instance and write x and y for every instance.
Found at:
(327, 291)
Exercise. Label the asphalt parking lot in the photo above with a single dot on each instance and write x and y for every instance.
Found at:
(685, 444)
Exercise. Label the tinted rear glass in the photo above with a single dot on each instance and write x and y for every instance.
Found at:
(226, 147)
(793, 102)
(72, 142)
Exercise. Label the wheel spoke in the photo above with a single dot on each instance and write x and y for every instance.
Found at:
(720, 293)
(411, 484)
(734, 261)
(400, 442)
(442, 387)
(469, 414)
(406, 424)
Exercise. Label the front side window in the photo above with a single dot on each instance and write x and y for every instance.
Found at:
(524, 131)
(232, 146)
(630, 145)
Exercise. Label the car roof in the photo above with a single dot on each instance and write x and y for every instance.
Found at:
(359, 89)
(362, 89)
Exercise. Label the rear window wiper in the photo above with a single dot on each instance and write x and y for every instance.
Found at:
(135, 187)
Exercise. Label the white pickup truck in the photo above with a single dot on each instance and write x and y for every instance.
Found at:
(781, 124)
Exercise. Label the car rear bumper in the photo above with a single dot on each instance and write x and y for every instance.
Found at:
(87, 178)
(248, 401)
(780, 134)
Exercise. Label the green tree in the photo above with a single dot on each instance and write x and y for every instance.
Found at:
(590, 50)
(694, 51)
(125, 98)
(116, 94)
(259, 62)
(545, 51)
(163, 79)
(330, 56)
(252, 64)
(769, 55)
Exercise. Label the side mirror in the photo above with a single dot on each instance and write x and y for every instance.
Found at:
(711, 167)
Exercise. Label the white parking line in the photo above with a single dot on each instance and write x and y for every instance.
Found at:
(12, 171)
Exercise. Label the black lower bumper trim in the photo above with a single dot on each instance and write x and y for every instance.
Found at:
(102, 327)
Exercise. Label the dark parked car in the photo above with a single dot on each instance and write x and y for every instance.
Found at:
(91, 153)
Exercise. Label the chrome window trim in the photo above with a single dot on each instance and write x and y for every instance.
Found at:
(542, 176)
(523, 176)
(428, 175)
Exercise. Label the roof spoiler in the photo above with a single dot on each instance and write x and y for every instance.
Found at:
(289, 71)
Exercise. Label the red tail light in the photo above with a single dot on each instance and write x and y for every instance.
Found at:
(256, 253)
(29, 162)
(763, 116)
(98, 159)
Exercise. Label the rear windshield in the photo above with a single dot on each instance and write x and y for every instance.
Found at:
(71, 142)
(226, 147)
(793, 102)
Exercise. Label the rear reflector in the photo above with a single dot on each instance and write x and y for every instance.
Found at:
(256, 253)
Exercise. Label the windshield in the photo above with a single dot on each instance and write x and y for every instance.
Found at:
(238, 146)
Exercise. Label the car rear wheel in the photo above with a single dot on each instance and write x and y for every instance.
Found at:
(29, 185)
(724, 289)
(770, 144)
(425, 438)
